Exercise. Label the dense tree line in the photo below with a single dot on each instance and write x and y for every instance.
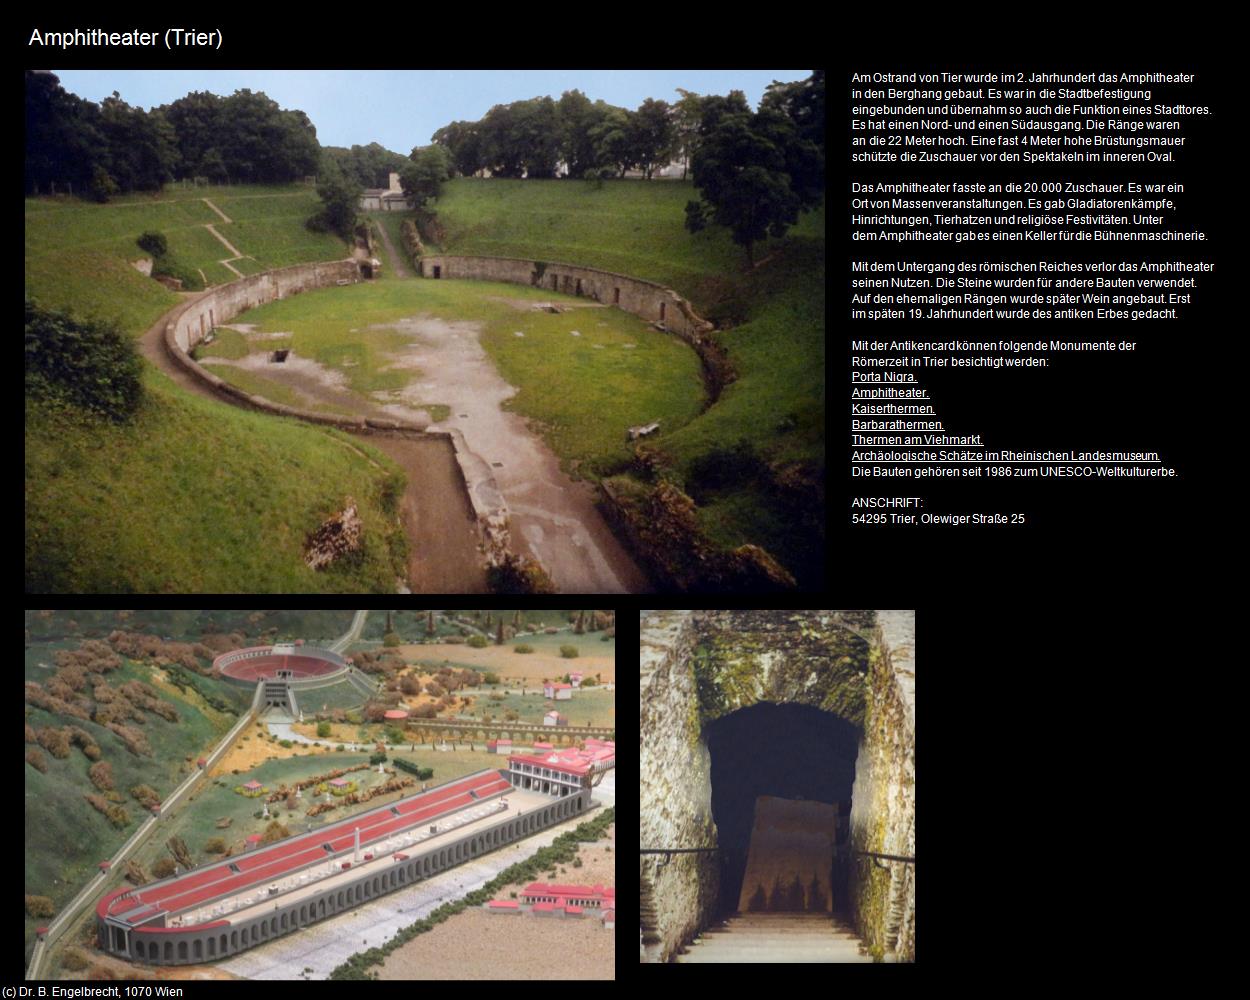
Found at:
(367, 166)
(99, 149)
(757, 170)
(539, 137)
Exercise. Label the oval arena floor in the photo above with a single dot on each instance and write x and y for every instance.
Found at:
(301, 668)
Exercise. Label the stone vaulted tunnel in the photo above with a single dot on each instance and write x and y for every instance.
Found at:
(748, 720)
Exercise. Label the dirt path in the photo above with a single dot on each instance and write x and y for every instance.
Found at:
(442, 535)
(441, 529)
(225, 243)
(224, 216)
(398, 266)
(554, 519)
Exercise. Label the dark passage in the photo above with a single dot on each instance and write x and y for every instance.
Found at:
(788, 751)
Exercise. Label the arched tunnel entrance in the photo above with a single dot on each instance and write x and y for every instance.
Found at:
(781, 779)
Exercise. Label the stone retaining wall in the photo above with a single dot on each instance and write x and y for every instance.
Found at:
(645, 299)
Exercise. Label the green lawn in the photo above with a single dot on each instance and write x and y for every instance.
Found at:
(583, 391)
(589, 707)
(195, 496)
(342, 694)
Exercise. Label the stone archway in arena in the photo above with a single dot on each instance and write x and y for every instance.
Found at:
(698, 671)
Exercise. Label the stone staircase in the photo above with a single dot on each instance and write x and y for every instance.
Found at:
(777, 937)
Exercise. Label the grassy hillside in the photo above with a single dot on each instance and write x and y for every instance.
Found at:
(58, 866)
(192, 495)
(197, 496)
(77, 252)
(771, 322)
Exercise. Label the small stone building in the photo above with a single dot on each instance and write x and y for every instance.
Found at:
(388, 199)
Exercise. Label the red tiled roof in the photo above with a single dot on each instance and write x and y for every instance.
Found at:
(268, 862)
(504, 904)
(253, 784)
(396, 713)
(578, 891)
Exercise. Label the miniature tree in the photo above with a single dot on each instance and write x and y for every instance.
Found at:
(759, 902)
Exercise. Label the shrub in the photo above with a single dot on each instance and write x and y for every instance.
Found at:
(490, 678)
(36, 759)
(30, 734)
(154, 243)
(523, 648)
(605, 637)
(391, 639)
(146, 796)
(323, 729)
(339, 748)
(274, 831)
(54, 741)
(171, 267)
(568, 652)
(74, 960)
(163, 868)
(435, 690)
(394, 736)
(285, 743)
(215, 846)
(101, 775)
(478, 641)
(424, 712)
(577, 862)
(39, 906)
(90, 364)
(377, 758)
(589, 682)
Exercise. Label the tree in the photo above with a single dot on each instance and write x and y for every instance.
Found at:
(753, 170)
(759, 902)
(39, 906)
(465, 143)
(611, 139)
(686, 115)
(197, 121)
(340, 199)
(273, 832)
(652, 138)
(422, 178)
(499, 633)
(63, 140)
(576, 116)
(429, 623)
(163, 868)
(803, 102)
(391, 640)
(323, 729)
(580, 627)
(154, 243)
